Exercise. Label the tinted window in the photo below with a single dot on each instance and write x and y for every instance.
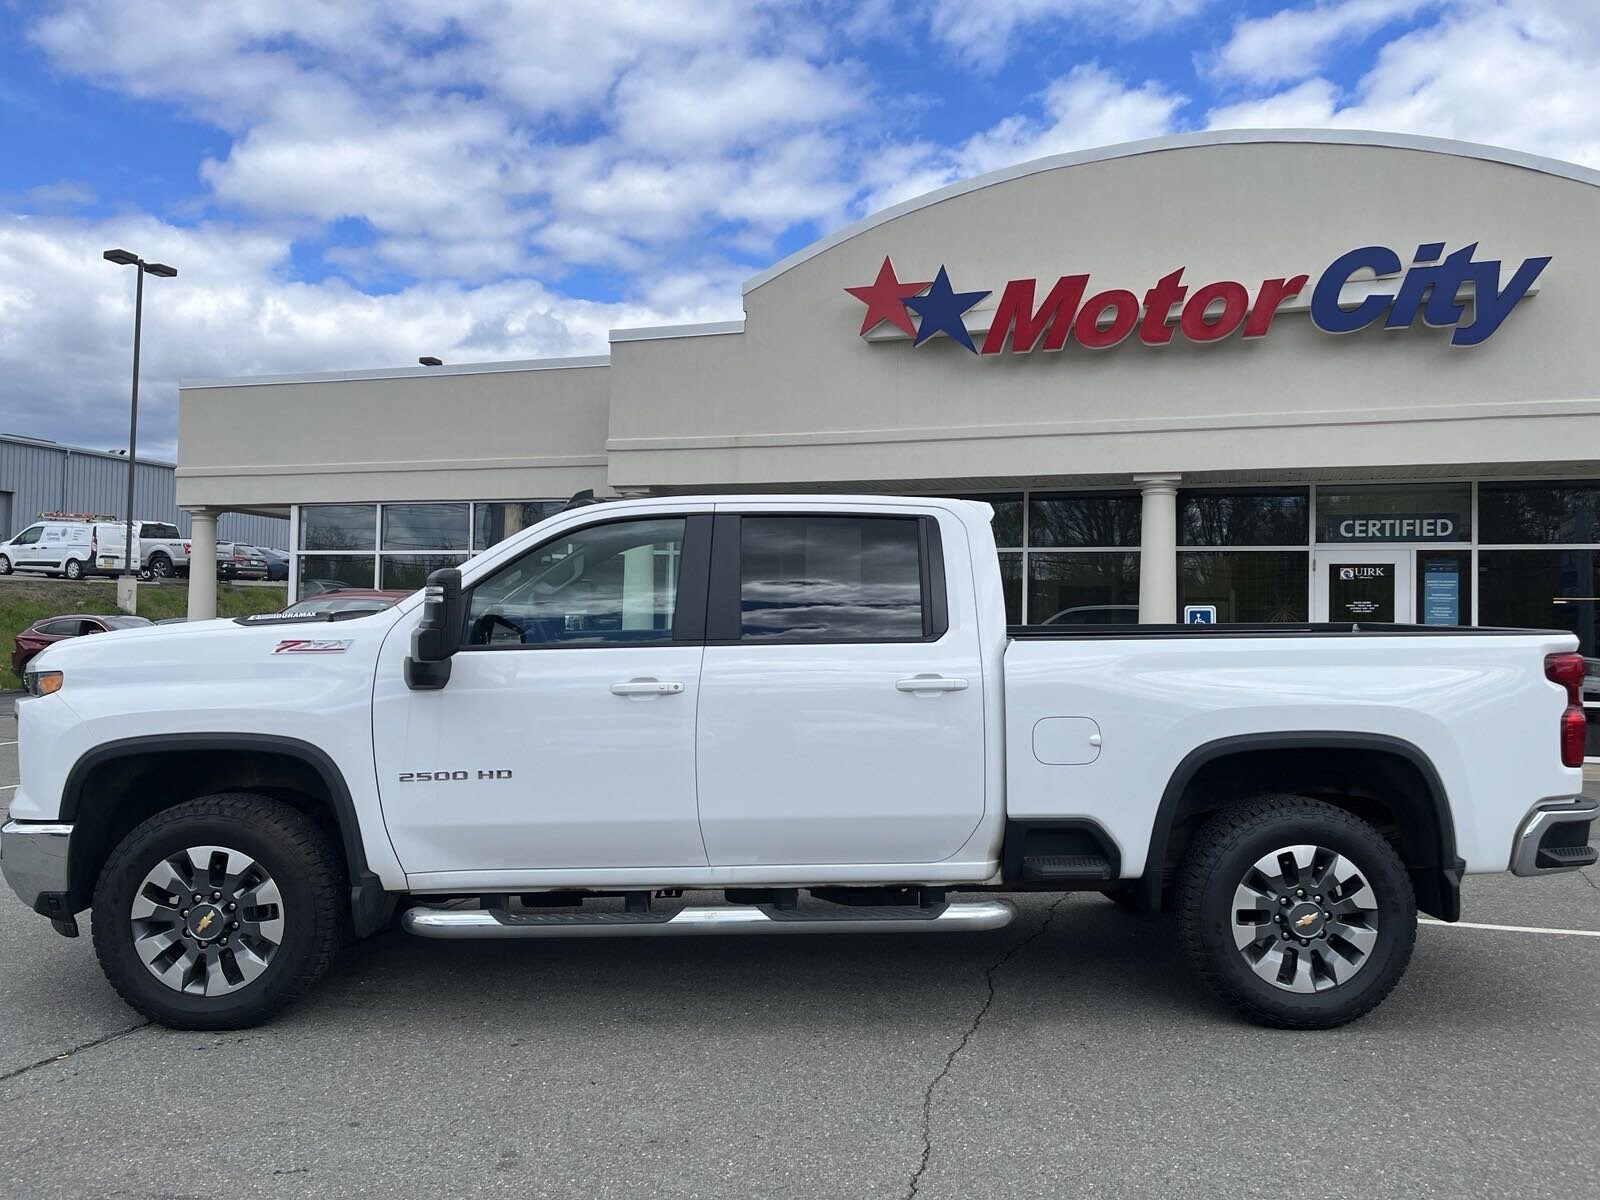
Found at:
(830, 579)
(1244, 518)
(338, 527)
(1259, 586)
(1356, 514)
(1007, 523)
(492, 523)
(156, 529)
(1517, 513)
(424, 526)
(61, 628)
(126, 622)
(607, 584)
(1542, 589)
(1095, 519)
(410, 571)
(1083, 589)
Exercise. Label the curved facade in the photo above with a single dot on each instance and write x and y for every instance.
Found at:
(1278, 375)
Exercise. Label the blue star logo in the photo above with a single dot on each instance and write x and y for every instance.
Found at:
(941, 311)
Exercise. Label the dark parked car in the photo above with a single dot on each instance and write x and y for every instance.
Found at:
(346, 600)
(277, 563)
(235, 560)
(54, 629)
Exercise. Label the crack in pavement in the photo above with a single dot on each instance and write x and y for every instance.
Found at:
(966, 1036)
(1589, 879)
(65, 1054)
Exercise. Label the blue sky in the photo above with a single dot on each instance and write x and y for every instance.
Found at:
(353, 183)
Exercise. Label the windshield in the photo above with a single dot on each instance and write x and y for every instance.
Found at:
(126, 622)
(328, 604)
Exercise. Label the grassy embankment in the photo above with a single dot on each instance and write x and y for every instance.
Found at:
(24, 601)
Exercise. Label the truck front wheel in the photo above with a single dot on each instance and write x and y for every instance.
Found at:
(218, 912)
(1297, 913)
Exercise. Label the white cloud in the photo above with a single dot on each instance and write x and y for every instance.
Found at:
(66, 321)
(1470, 76)
(1294, 43)
(1089, 106)
(984, 33)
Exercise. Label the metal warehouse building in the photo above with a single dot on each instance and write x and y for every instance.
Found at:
(38, 476)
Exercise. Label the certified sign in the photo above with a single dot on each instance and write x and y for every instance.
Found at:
(1357, 527)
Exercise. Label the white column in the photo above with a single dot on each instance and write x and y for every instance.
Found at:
(1158, 549)
(202, 564)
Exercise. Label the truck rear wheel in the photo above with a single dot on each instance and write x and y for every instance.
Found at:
(73, 569)
(1297, 913)
(218, 912)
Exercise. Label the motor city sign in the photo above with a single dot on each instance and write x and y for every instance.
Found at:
(1456, 291)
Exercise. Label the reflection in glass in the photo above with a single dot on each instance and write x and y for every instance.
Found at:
(411, 571)
(425, 526)
(338, 527)
(1244, 518)
(1083, 589)
(1542, 589)
(816, 579)
(1253, 586)
(1011, 585)
(317, 571)
(1092, 519)
(1513, 513)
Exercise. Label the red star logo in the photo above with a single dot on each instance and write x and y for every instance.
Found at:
(885, 300)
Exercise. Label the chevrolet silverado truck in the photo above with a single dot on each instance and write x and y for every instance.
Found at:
(812, 705)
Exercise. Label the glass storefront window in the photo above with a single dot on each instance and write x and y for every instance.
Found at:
(1244, 518)
(1412, 512)
(411, 571)
(1083, 589)
(319, 570)
(1087, 519)
(494, 523)
(1247, 586)
(1007, 524)
(1522, 513)
(339, 527)
(1011, 585)
(1542, 589)
(1444, 587)
(425, 526)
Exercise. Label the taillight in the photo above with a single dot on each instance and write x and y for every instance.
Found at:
(186, 547)
(1567, 670)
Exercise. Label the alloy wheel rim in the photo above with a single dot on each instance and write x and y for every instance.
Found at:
(1305, 919)
(207, 920)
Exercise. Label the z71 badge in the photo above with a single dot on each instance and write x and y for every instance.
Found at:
(313, 646)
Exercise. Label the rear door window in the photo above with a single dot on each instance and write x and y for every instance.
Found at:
(833, 579)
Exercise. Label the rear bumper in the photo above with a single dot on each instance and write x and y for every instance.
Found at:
(33, 857)
(1555, 837)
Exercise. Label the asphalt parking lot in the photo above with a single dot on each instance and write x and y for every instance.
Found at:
(1068, 1055)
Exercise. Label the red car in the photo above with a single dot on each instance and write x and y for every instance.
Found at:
(54, 629)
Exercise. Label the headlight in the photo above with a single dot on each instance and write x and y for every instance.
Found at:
(42, 683)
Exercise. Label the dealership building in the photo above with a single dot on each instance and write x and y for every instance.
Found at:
(1238, 376)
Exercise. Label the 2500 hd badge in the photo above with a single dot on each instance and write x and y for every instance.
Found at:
(449, 776)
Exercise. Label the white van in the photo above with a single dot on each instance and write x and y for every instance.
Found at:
(70, 548)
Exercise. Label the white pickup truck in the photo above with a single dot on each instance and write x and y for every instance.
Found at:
(810, 704)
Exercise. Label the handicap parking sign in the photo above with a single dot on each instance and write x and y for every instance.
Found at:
(1200, 614)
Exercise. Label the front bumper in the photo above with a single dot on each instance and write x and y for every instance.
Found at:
(1555, 837)
(33, 857)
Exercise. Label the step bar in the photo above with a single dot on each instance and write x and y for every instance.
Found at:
(692, 921)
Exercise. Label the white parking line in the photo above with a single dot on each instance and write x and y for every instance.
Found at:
(1510, 928)
(10, 743)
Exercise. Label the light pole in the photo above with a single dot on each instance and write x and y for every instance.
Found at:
(124, 258)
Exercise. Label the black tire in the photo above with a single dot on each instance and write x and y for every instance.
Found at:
(1221, 856)
(160, 566)
(5, 565)
(73, 569)
(300, 860)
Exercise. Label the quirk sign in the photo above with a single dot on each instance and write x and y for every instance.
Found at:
(1469, 296)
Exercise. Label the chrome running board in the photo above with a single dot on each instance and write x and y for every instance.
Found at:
(465, 923)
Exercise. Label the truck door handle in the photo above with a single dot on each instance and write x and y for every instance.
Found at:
(930, 683)
(646, 687)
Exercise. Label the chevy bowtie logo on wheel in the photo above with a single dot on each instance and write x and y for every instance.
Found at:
(1453, 291)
